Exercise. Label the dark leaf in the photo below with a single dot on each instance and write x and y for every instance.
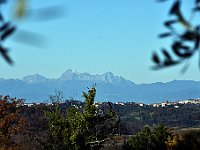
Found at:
(189, 36)
(169, 23)
(163, 35)
(197, 28)
(197, 2)
(4, 53)
(186, 48)
(155, 58)
(197, 42)
(174, 63)
(175, 8)
(196, 9)
(183, 21)
(2, 1)
(7, 33)
(4, 26)
(166, 64)
(166, 54)
(168, 60)
(1, 17)
(181, 50)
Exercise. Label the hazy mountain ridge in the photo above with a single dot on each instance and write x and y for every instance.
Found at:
(69, 75)
(36, 78)
(109, 88)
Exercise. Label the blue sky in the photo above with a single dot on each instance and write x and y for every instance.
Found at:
(94, 36)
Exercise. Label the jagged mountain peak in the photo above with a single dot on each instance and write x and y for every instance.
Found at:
(108, 73)
(69, 75)
(107, 77)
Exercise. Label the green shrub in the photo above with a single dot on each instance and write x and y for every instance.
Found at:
(148, 139)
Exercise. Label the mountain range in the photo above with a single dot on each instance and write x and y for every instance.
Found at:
(36, 88)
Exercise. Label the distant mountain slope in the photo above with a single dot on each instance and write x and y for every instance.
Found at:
(36, 88)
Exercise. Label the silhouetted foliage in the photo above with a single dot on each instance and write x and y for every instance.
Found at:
(185, 43)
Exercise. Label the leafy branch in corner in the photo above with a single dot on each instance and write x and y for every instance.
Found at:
(20, 10)
(6, 29)
(185, 44)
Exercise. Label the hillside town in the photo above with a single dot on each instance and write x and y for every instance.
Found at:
(166, 103)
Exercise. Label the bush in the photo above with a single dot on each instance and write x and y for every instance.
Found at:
(148, 139)
(187, 139)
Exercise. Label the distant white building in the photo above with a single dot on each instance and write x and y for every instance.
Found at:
(156, 105)
(141, 104)
(176, 106)
(120, 103)
(164, 104)
(29, 104)
(184, 101)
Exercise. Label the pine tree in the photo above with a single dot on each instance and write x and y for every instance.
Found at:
(77, 130)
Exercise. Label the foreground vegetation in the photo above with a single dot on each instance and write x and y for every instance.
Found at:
(76, 125)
